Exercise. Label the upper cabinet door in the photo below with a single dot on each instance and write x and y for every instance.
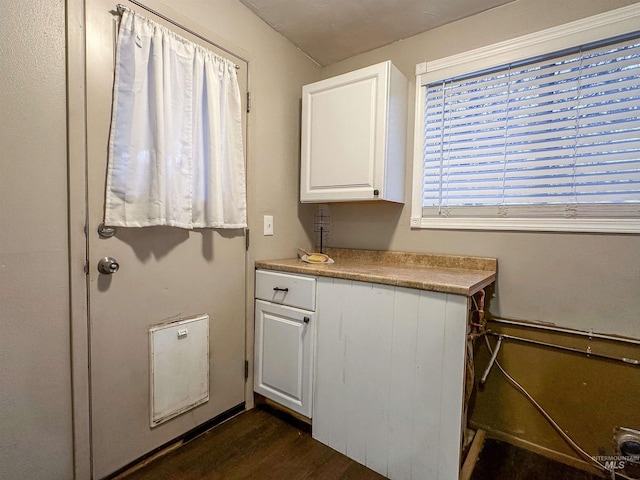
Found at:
(353, 136)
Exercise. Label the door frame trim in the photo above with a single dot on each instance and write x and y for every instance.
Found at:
(77, 198)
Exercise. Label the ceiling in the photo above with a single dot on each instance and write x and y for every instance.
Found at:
(332, 30)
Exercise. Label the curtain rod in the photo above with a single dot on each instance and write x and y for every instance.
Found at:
(182, 27)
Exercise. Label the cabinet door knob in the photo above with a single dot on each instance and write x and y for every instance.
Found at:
(306, 319)
(278, 289)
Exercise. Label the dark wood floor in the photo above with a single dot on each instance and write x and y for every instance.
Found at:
(257, 444)
(261, 444)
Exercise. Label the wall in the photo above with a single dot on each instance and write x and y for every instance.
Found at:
(581, 281)
(35, 374)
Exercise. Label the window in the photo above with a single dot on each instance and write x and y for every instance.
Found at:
(546, 142)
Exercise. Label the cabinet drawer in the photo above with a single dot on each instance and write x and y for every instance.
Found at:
(293, 290)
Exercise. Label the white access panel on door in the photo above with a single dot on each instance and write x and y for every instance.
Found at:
(179, 356)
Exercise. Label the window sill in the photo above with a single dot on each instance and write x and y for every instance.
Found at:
(530, 225)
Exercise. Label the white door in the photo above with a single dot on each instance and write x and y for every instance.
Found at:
(165, 274)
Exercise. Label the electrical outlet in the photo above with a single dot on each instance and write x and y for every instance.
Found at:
(268, 225)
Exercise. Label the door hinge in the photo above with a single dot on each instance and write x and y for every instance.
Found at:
(248, 102)
(86, 267)
(246, 239)
(246, 369)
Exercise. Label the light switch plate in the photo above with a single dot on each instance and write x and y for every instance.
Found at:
(268, 224)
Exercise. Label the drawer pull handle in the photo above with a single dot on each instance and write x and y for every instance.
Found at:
(306, 319)
(278, 289)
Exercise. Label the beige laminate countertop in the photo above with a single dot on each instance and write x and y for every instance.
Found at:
(438, 273)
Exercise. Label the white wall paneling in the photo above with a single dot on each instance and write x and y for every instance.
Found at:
(390, 377)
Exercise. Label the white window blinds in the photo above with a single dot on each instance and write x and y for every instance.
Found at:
(555, 137)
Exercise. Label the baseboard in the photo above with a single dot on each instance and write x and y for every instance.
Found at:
(539, 449)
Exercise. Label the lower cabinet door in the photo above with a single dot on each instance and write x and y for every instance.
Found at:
(283, 355)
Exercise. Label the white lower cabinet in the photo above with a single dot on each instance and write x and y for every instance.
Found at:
(384, 366)
(389, 385)
(284, 340)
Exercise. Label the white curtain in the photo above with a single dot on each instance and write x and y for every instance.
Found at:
(175, 149)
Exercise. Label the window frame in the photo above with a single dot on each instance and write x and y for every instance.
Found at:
(597, 28)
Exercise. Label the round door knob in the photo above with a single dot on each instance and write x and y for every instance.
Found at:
(108, 265)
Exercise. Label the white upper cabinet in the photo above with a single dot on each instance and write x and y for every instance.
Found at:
(353, 136)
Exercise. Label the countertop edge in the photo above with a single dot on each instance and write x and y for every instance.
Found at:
(317, 270)
(401, 258)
